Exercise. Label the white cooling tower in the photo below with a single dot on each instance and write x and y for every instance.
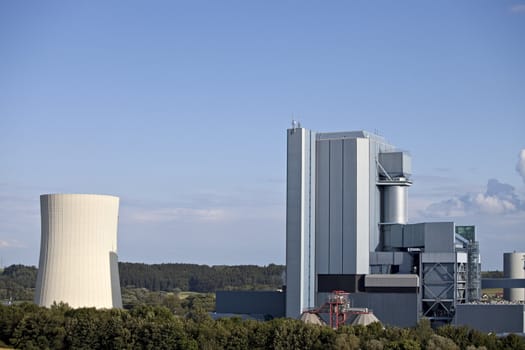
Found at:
(78, 253)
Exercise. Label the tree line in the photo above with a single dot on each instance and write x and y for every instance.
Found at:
(179, 303)
(27, 326)
(18, 281)
(200, 278)
(492, 274)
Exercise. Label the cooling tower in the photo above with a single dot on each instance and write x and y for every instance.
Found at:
(78, 253)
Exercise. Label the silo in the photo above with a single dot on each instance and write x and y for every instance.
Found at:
(78, 253)
(514, 267)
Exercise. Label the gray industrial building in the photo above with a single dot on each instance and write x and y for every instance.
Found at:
(495, 318)
(260, 304)
(347, 229)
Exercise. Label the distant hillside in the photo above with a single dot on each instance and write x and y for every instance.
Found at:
(18, 281)
(200, 278)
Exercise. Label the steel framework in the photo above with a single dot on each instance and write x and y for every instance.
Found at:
(339, 308)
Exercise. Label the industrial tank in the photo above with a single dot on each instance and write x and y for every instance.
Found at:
(394, 169)
(78, 253)
(514, 267)
(394, 204)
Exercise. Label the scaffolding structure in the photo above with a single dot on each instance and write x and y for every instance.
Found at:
(474, 272)
(338, 307)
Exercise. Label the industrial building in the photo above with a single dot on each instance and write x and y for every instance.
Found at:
(78, 252)
(347, 229)
(495, 318)
(347, 233)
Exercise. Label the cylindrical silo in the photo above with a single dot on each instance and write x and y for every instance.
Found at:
(78, 253)
(514, 267)
(394, 204)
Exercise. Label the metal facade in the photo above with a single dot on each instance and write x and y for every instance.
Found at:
(396, 163)
(496, 318)
(251, 302)
(394, 309)
(300, 222)
(439, 237)
(342, 226)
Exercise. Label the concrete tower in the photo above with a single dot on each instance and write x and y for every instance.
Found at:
(300, 221)
(514, 267)
(78, 253)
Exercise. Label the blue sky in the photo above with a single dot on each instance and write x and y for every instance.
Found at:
(180, 108)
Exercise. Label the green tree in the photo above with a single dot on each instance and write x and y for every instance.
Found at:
(345, 341)
(42, 329)
(437, 342)
(512, 341)
(423, 331)
(84, 329)
(374, 344)
(10, 317)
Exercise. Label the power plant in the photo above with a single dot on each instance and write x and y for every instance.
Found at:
(78, 252)
(347, 229)
(351, 252)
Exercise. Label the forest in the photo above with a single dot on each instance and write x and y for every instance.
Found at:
(200, 278)
(18, 281)
(137, 280)
(167, 306)
(27, 326)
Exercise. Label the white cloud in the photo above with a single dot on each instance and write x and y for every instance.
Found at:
(497, 211)
(520, 167)
(518, 8)
(492, 204)
(499, 198)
